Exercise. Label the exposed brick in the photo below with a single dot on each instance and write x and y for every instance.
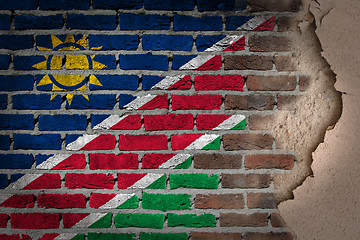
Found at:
(261, 122)
(249, 102)
(198, 102)
(112, 161)
(285, 63)
(3, 220)
(269, 161)
(287, 102)
(248, 62)
(217, 201)
(262, 200)
(287, 24)
(269, 43)
(61, 201)
(245, 180)
(243, 220)
(271, 83)
(217, 161)
(276, 220)
(35, 220)
(168, 122)
(90, 181)
(268, 236)
(247, 141)
(143, 142)
(304, 83)
(274, 5)
(215, 236)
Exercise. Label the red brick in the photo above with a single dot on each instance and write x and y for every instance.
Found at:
(268, 161)
(268, 236)
(249, 102)
(102, 142)
(245, 180)
(19, 201)
(261, 122)
(269, 43)
(243, 220)
(304, 83)
(285, 63)
(215, 236)
(274, 5)
(209, 121)
(276, 220)
(248, 62)
(197, 102)
(113, 161)
(219, 82)
(271, 83)
(247, 141)
(217, 201)
(70, 219)
(262, 200)
(217, 161)
(287, 102)
(35, 220)
(91, 181)
(4, 218)
(169, 122)
(61, 201)
(45, 181)
(130, 122)
(287, 24)
(143, 142)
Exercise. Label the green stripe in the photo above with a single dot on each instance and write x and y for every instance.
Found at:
(240, 126)
(143, 220)
(191, 220)
(131, 203)
(104, 222)
(214, 145)
(111, 236)
(163, 236)
(194, 180)
(79, 237)
(166, 202)
(184, 165)
(158, 184)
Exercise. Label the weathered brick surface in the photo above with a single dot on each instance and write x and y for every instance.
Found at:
(217, 161)
(261, 122)
(215, 236)
(273, 5)
(276, 220)
(271, 83)
(304, 83)
(243, 220)
(285, 63)
(262, 200)
(216, 201)
(269, 43)
(288, 102)
(249, 102)
(269, 161)
(245, 180)
(248, 62)
(268, 236)
(247, 141)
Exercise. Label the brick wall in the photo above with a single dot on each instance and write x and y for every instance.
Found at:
(132, 120)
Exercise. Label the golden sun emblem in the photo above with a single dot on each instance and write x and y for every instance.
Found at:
(68, 82)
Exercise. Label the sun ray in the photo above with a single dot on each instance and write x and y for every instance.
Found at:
(43, 48)
(52, 96)
(69, 98)
(86, 96)
(82, 88)
(94, 81)
(44, 81)
(56, 88)
(40, 65)
(55, 41)
(82, 41)
(97, 65)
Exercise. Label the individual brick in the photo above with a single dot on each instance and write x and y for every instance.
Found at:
(18, 5)
(285, 63)
(248, 62)
(16, 161)
(195, 141)
(35, 220)
(274, 5)
(3, 181)
(191, 220)
(61, 201)
(99, 101)
(144, 22)
(288, 102)
(143, 142)
(277, 221)
(262, 200)
(204, 42)
(249, 102)
(113, 42)
(219, 82)
(194, 180)
(247, 141)
(37, 142)
(304, 83)
(215, 236)
(181, 62)
(116, 4)
(163, 236)
(167, 42)
(61, 161)
(4, 218)
(235, 22)
(38, 181)
(219, 201)
(114, 201)
(4, 142)
(166, 202)
(90, 181)
(80, 62)
(62, 122)
(245, 180)
(215, 5)
(36, 102)
(16, 42)
(91, 22)
(168, 122)
(220, 122)
(3, 101)
(112, 161)
(4, 61)
(16, 121)
(29, 62)
(261, 122)
(268, 236)
(23, 22)
(176, 161)
(127, 122)
(211, 23)
(63, 4)
(97, 142)
(95, 220)
(287, 24)
(144, 220)
(269, 43)
(16, 83)
(243, 220)
(144, 62)
(108, 236)
(217, 161)
(147, 102)
(19, 201)
(269, 161)
(50, 236)
(169, 5)
(141, 181)
(197, 102)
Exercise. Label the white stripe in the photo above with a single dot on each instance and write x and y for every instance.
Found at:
(89, 220)
(253, 23)
(202, 141)
(230, 122)
(4, 197)
(24, 181)
(53, 161)
(110, 122)
(195, 63)
(139, 102)
(117, 201)
(66, 236)
(81, 142)
(167, 82)
(146, 181)
(175, 161)
(224, 43)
